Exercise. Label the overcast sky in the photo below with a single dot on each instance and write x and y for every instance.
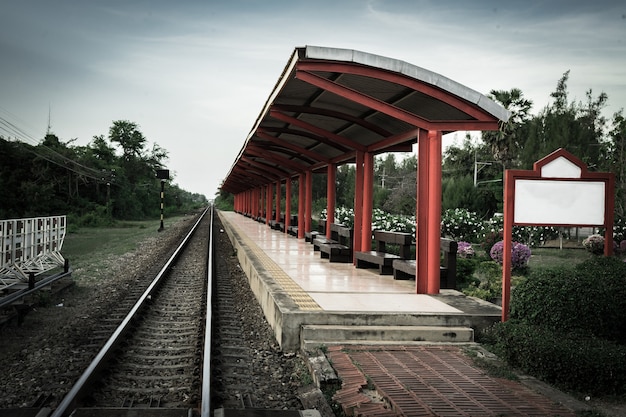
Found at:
(194, 75)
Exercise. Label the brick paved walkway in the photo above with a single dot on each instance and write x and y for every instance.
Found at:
(428, 381)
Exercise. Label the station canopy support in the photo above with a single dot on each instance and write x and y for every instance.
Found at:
(337, 106)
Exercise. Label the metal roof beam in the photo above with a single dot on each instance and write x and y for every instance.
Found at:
(278, 160)
(365, 100)
(313, 155)
(276, 173)
(330, 137)
(400, 79)
(336, 115)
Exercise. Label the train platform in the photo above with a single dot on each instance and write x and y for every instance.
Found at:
(374, 330)
(308, 300)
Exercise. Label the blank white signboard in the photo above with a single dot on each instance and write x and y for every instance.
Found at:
(559, 202)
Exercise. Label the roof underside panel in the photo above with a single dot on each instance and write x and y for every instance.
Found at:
(330, 103)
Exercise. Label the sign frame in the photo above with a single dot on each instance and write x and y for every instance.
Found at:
(558, 168)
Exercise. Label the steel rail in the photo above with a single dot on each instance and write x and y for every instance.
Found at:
(205, 409)
(72, 396)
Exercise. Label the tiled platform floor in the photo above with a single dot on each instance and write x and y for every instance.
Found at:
(328, 284)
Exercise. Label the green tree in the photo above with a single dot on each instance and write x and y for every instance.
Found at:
(615, 160)
(507, 140)
(576, 127)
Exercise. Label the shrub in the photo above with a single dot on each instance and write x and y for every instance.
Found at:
(594, 244)
(588, 298)
(491, 238)
(520, 254)
(465, 268)
(462, 224)
(487, 282)
(574, 361)
(465, 250)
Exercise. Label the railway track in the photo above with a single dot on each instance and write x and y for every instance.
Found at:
(153, 359)
(162, 353)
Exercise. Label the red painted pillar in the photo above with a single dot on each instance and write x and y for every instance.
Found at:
(509, 192)
(358, 203)
(308, 207)
(268, 204)
(287, 204)
(421, 216)
(331, 177)
(434, 211)
(368, 201)
(301, 205)
(278, 197)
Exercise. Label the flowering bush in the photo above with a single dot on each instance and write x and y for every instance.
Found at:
(491, 238)
(529, 235)
(465, 250)
(343, 215)
(381, 220)
(594, 244)
(520, 254)
(462, 224)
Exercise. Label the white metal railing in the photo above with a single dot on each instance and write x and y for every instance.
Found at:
(30, 246)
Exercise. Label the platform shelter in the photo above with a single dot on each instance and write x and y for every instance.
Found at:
(336, 106)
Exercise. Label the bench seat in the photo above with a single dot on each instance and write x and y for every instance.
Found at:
(406, 268)
(322, 240)
(339, 247)
(335, 252)
(310, 236)
(383, 260)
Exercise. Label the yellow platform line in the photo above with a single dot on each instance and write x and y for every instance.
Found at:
(293, 290)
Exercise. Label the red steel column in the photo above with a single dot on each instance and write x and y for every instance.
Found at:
(509, 197)
(358, 203)
(308, 201)
(421, 227)
(287, 204)
(268, 204)
(368, 201)
(301, 205)
(278, 197)
(434, 211)
(330, 197)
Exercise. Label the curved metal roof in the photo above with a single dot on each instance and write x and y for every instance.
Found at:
(330, 103)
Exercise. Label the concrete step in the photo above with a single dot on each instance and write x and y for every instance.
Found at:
(316, 335)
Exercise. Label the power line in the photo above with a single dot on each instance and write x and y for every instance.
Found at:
(54, 157)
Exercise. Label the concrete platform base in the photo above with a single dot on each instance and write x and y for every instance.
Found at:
(298, 290)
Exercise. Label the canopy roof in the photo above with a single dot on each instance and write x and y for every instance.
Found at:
(330, 103)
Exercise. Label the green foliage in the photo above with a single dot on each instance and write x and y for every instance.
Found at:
(91, 184)
(465, 268)
(567, 326)
(486, 282)
(462, 224)
(588, 298)
(574, 361)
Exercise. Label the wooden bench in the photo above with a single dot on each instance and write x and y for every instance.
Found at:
(405, 269)
(321, 230)
(339, 250)
(380, 257)
(293, 226)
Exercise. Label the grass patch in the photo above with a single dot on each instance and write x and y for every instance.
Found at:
(89, 249)
(555, 257)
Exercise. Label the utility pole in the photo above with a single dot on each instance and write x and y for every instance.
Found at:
(163, 175)
(477, 167)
